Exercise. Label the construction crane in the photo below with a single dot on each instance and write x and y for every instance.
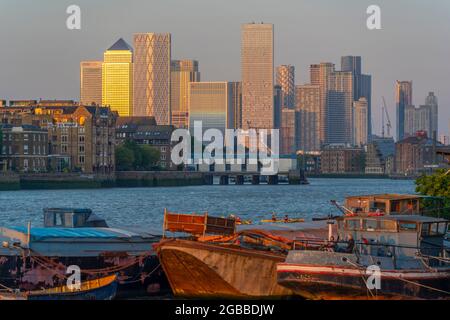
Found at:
(389, 124)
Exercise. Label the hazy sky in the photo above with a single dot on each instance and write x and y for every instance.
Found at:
(39, 56)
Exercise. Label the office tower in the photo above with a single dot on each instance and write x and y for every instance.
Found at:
(211, 103)
(403, 98)
(320, 76)
(340, 116)
(236, 88)
(362, 84)
(308, 106)
(288, 131)
(432, 101)
(351, 64)
(257, 59)
(152, 57)
(91, 82)
(360, 129)
(117, 78)
(285, 78)
(182, 72)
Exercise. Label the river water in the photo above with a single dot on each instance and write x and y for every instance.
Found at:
(144, 207)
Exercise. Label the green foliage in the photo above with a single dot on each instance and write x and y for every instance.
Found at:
(124, 158)
(131, 156)
(436, 185)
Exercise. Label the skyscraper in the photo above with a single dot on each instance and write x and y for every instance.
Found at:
(423, 118)
(152, 57)
(181, 74)
(285, 78)
(360, 129)
(403, 98)
(212, 104)
(308, 106)
(91, 82)
(320, 75)
(117, 78)
(257, 64)
(237, 103)
(288, 131)
(362, 84)
(340, 108)
(432, 101)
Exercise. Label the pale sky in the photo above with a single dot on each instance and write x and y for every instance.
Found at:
(39, 56)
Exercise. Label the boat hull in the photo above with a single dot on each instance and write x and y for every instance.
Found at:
(331, 283)
(203, 270)
(136, 275)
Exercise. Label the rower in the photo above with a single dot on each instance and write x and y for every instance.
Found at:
(286, 218)
(274, 217)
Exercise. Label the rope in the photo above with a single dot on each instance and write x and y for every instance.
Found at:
(143, 278)
(405, 280)
(360, 268)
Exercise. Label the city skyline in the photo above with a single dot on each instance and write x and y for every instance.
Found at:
(393, 53)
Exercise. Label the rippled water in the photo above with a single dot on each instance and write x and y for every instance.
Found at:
(144, 207)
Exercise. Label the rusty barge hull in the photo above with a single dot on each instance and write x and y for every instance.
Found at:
(203, 270)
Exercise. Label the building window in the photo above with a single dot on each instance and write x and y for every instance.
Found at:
(64, 148)
(25, 149)
(25, 136)
(81, 139)
(81, 159)
(163, 149)
(81, 149)
(163, 156)
(64, 138)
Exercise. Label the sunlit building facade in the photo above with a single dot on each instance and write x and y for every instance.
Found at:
(152, 57)
(257, 68)
(91, 82)
(181, 74)
(117, 78)
(360, 129)
(212, 104)
(308, 106)
(285, 78)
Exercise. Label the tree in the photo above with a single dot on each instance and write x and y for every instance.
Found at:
(436, 185)
(124, 158)
(150, 157)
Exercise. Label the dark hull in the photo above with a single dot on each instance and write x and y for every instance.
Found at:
(320, 285)
(145, 276)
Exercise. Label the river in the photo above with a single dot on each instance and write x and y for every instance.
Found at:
(143, 207)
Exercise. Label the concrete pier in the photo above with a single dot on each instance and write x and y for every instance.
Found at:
(255, 179)
(239, 180)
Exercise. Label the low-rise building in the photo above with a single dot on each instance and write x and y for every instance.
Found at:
(145, 131)
(380, 156)
(24, 148)
(416, 154)
(341, 159)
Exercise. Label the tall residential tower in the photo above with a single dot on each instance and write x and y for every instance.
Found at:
(91, 82)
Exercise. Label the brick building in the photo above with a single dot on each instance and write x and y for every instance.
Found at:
(145, 131)
(24, 148)
(337, 159)
(80, 138)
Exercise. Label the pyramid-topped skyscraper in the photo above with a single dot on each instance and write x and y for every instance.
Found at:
(117, 78)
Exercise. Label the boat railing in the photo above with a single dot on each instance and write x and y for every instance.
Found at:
(368, 248)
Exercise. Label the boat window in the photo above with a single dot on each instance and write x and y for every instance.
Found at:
(354, 224)
(425, 229)
(407, 226)
(370, 225)
(388, 225)
(437, 229)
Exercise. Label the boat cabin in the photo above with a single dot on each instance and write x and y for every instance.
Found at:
(398, 236)
(72, 218)
(398, 204)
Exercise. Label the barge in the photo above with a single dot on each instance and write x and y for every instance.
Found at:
(32, 258)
